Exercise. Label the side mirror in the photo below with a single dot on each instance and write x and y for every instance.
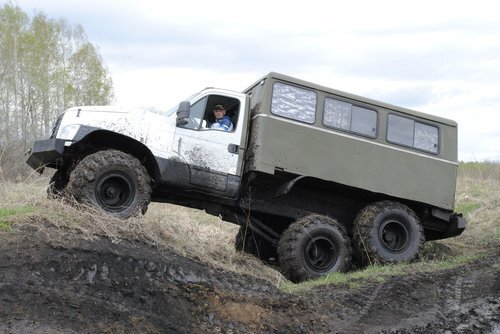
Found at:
(183, 112)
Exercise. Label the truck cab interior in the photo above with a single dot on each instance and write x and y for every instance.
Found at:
(231, 105)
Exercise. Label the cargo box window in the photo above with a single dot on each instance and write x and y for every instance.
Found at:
(345, 116)
(294, 102)
(407, 132)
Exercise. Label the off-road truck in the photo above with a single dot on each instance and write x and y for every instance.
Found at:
(314, 176)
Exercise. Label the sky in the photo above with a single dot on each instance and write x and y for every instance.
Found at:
(439, 57)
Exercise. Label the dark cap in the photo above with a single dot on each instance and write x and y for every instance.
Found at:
(219, 106)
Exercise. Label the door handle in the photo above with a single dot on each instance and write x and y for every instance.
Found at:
(179, 145)
(233, 148)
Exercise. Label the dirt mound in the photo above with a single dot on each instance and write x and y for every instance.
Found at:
(54, 281)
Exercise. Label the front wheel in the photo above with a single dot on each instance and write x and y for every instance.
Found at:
(111, 180)
(387, 232)
(312, 247)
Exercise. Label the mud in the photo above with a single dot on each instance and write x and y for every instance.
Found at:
(54, 281)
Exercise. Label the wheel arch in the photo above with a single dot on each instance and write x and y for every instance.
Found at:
(98, 140)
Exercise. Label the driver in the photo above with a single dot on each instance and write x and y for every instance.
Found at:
(222, 122)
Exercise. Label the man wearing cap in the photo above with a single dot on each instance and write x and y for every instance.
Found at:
(222, 122)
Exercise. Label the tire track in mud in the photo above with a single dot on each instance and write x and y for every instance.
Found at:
(462, 303)
(456, 293)
(454, 301)
(74, 285)
(360, 308)
(367, 307)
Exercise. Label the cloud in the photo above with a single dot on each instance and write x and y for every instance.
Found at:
(440, 57)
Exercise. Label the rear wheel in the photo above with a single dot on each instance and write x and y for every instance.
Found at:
(111, 180)
(387, 232)
(312, 247)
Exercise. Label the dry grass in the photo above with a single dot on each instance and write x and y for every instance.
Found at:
(478, 198)
(197, 235)
(189, 232)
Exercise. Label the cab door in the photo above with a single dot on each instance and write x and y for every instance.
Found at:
(214, 157)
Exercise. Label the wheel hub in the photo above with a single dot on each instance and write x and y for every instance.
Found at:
(320, 254)
(114, 192)
(111, 191)
(389, 237)
(394, 236)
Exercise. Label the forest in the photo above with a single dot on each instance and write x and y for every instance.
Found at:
(46, 66)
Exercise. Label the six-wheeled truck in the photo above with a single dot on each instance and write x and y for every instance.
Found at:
(314, 176)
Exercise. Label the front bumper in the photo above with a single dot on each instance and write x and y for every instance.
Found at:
(45, 153)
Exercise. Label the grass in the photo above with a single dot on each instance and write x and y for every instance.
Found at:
(478, 198)
(467, 207)
(7, 212)
(5, 226)
(10, 215)
(379, 273)
(206, 238)
(189, 232)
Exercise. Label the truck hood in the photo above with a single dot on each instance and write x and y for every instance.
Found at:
(113, 109)
(132, 122)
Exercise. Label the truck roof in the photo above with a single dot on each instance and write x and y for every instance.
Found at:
(300, 82)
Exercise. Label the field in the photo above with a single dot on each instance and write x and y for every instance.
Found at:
(176, 270)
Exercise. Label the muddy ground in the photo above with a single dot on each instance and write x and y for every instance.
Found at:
(54, 281)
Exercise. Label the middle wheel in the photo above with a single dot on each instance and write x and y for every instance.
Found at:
(314, 246)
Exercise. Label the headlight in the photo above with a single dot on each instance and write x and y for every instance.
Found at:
(68, 132)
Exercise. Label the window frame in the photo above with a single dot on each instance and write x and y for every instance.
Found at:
(350, 131)
(415, 120)
(203, 100)
(298, 87)
(210, 100)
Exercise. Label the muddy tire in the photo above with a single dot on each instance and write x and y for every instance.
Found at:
(387, 232)
(246, 241)
(312, 247)
(57, 184)
(113, 181)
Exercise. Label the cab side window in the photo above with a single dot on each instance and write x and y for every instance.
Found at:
(231, 107)
(196, 114)
(201, 115)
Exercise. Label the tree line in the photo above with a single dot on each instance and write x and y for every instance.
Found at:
(46, 66)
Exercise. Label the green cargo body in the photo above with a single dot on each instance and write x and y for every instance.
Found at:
(370, 163)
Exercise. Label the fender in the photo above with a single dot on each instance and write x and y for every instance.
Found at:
(92, 139)
(287, 186)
